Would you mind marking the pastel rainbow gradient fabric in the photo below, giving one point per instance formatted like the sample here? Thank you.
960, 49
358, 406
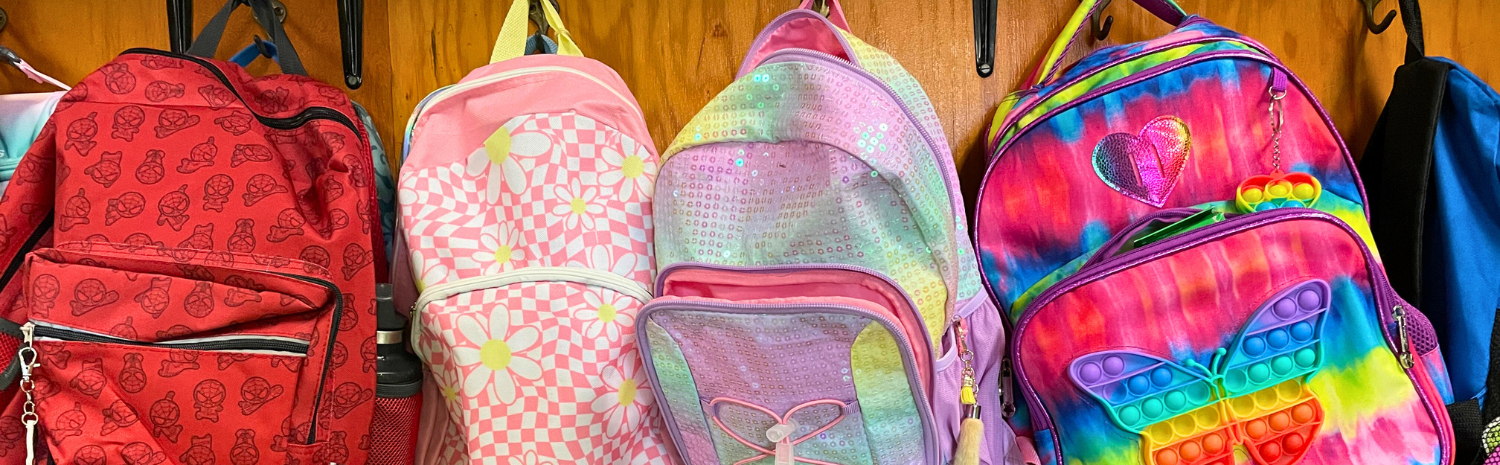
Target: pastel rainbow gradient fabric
21, 120
1270, 339
823, 158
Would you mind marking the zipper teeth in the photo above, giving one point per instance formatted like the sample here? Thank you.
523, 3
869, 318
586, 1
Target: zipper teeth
333, 334
63, 333
916, 314
1091, 72
765, 35
1190, 240
336, 116
908, 356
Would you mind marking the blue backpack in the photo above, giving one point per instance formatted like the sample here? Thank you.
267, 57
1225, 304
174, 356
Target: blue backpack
1432, 172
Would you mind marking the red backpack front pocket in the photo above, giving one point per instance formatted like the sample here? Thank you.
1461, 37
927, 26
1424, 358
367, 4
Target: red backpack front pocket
151, 354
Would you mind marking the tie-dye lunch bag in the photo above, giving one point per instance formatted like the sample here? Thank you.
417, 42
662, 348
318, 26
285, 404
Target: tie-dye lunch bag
525, 201
818, 301
1201, 117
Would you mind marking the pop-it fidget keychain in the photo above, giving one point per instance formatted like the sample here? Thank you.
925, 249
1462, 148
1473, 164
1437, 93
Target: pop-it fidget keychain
1251, 400
1278, 189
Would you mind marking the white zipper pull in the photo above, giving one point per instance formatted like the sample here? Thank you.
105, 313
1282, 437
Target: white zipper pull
781, 435
1403, 353
29, 417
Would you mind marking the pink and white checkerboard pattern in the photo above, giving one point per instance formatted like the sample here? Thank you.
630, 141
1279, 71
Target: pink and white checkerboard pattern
563, 395
538, 372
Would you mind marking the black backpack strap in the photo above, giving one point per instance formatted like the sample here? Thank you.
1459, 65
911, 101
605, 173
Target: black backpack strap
1411, 19
207, 43
1468, 432
1397, 168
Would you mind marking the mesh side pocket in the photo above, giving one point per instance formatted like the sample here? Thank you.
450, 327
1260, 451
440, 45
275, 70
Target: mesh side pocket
1491, 442
393, 434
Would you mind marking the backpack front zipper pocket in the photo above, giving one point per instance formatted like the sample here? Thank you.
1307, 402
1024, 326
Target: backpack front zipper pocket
801, 363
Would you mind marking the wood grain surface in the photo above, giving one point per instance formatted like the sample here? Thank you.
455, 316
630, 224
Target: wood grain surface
68, 39
677, 54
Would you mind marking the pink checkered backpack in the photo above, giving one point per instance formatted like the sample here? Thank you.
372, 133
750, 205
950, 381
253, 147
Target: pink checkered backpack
525, 200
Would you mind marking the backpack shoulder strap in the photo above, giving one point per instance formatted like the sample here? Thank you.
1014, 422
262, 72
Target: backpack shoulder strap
1397, 169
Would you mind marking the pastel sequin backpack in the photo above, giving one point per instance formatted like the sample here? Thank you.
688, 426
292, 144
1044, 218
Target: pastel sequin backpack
525, 202
818, 301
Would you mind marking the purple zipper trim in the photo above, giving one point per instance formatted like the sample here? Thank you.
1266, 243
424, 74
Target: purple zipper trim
765, 34
1090, 72
924, 411
1383, 301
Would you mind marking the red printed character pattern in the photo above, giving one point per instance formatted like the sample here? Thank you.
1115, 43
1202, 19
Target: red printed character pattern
180, 235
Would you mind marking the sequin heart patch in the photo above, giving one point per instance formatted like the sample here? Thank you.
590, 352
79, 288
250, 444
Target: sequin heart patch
1144, 166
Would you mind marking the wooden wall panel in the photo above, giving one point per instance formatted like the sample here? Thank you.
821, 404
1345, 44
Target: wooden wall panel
68, 39
677, 54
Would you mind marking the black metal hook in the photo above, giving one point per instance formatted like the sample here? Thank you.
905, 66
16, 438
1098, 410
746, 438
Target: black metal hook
180, 24
1109, 21
539, 16
1376, 28
352, 34
820, 6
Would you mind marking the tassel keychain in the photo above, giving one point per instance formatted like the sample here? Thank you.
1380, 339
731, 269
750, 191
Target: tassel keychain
971, 431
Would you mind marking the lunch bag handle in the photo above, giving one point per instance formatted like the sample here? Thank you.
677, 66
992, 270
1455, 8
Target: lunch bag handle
1167, 10
513, 35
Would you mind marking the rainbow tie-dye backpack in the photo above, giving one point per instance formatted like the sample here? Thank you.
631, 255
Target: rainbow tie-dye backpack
1150, 356
818, 301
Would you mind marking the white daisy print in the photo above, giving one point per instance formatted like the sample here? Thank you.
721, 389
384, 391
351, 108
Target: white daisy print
605, 315
628, 398
575, 204
601, 257
530, 459
634, 170
430, 273
500, 158
499, 247
496, 355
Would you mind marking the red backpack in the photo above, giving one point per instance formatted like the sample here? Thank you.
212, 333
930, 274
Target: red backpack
192, 254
